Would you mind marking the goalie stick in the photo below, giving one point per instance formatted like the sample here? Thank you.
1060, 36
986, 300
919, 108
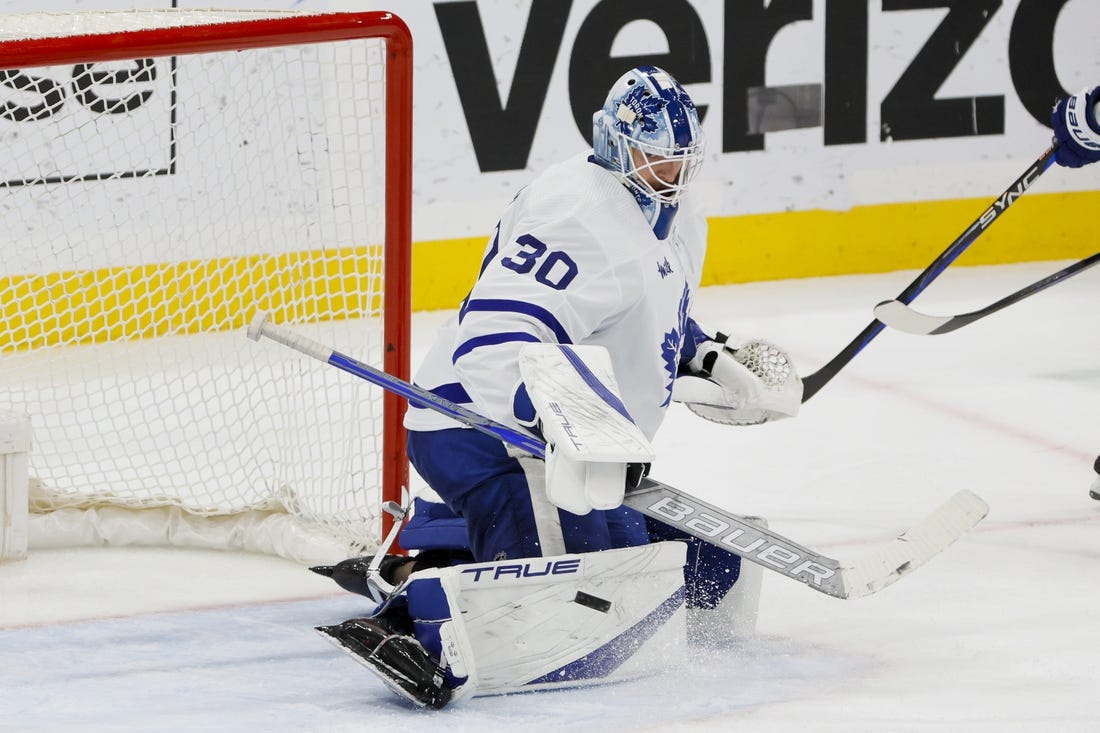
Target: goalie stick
899, 316
881, 567
813, 383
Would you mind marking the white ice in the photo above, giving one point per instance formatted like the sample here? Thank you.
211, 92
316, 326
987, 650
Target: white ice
999, 633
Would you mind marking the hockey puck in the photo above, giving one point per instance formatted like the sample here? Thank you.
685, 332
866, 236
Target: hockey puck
1094, 492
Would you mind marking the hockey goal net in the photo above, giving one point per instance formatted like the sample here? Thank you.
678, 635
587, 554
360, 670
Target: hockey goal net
166, 174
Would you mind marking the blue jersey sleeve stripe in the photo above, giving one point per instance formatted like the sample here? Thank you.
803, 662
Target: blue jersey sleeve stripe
452, 391
593, 381
491, 339
518, 306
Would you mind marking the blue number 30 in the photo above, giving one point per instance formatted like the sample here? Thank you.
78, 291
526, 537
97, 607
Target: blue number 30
557, 270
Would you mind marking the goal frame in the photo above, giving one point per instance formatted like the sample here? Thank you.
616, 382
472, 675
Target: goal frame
297, 29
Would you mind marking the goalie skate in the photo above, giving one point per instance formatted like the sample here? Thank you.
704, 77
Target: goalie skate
355, 574
400, 661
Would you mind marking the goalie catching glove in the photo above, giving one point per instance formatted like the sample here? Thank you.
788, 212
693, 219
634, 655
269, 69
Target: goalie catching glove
739, 384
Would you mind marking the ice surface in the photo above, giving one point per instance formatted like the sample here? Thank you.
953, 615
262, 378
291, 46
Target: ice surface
1000, 633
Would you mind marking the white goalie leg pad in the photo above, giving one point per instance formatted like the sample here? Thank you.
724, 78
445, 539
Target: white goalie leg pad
590, 434
549, 622
15, 445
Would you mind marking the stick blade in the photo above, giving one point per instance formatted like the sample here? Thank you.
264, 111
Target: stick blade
900, 317
931, 536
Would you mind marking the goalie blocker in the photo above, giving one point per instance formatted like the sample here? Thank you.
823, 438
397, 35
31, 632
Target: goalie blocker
591, 440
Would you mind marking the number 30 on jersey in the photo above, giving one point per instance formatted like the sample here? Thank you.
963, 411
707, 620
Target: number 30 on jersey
552, 267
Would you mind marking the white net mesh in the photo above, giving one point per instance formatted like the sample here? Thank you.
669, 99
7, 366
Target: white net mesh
149, 208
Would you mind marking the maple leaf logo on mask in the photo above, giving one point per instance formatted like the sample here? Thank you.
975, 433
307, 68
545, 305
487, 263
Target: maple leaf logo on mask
639, 107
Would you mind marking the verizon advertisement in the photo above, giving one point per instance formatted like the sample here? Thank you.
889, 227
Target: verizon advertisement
806, 104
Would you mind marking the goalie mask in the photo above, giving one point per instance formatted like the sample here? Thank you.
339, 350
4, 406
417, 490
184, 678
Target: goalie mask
648, 134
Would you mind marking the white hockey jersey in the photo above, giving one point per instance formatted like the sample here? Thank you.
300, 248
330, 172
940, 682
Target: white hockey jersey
573, 261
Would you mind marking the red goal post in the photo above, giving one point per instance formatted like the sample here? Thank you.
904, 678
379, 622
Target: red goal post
157, 302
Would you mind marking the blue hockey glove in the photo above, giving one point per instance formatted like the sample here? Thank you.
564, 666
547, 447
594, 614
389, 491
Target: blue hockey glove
1076, 128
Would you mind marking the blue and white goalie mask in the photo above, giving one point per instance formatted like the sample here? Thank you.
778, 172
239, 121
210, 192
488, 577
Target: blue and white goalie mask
648, 134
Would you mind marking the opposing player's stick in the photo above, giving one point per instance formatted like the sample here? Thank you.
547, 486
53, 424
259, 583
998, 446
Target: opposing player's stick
897, 315
881, 567
812, 383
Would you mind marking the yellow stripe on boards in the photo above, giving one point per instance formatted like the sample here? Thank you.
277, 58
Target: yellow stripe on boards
888, 237
444, 271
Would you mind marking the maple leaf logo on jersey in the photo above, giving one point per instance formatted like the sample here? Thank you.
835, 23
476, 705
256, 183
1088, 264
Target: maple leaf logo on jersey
670, 352
670, 347
664, 268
